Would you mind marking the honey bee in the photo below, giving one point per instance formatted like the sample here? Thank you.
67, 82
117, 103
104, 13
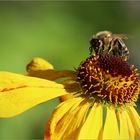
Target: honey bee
106, 42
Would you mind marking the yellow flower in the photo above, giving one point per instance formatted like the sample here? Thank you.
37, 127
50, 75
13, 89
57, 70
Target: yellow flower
97, 99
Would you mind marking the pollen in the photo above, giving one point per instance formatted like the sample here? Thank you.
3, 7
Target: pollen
108, 79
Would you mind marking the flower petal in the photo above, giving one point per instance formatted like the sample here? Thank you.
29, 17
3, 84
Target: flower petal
124, 133
135, 118
70, 84
38, 63
41, 68
131, 130
67, 120
111, 118
52, 74
20, 93
93, 124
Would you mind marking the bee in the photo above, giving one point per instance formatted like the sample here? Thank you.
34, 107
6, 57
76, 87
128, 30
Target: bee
106, 42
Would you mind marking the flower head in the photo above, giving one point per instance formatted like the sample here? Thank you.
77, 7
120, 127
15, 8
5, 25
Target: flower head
98, 98
108, 79
109, 86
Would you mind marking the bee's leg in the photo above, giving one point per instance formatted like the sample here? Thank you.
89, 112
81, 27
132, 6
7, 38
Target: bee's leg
126, 56
90, 50
109, 48
101, 49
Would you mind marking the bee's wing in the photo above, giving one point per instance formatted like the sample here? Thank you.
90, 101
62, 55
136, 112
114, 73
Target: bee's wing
120, 36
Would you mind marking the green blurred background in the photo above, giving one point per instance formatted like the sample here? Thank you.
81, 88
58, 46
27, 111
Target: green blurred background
59, 32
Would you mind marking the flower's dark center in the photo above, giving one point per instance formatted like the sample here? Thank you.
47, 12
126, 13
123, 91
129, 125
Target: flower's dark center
114, 65
108, 78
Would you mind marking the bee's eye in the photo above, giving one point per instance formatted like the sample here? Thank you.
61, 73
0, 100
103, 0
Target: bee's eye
95, 42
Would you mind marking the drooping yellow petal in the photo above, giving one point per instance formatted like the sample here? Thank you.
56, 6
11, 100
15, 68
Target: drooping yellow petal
92, 127
38, 63
111, 130
67, 120
135, 118
19, 93
124, 133
52, 74
41, 68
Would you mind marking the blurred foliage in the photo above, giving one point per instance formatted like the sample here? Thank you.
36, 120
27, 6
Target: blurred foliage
59, 32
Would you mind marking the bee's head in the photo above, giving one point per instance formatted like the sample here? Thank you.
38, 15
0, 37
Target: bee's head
96, 44
99, 41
